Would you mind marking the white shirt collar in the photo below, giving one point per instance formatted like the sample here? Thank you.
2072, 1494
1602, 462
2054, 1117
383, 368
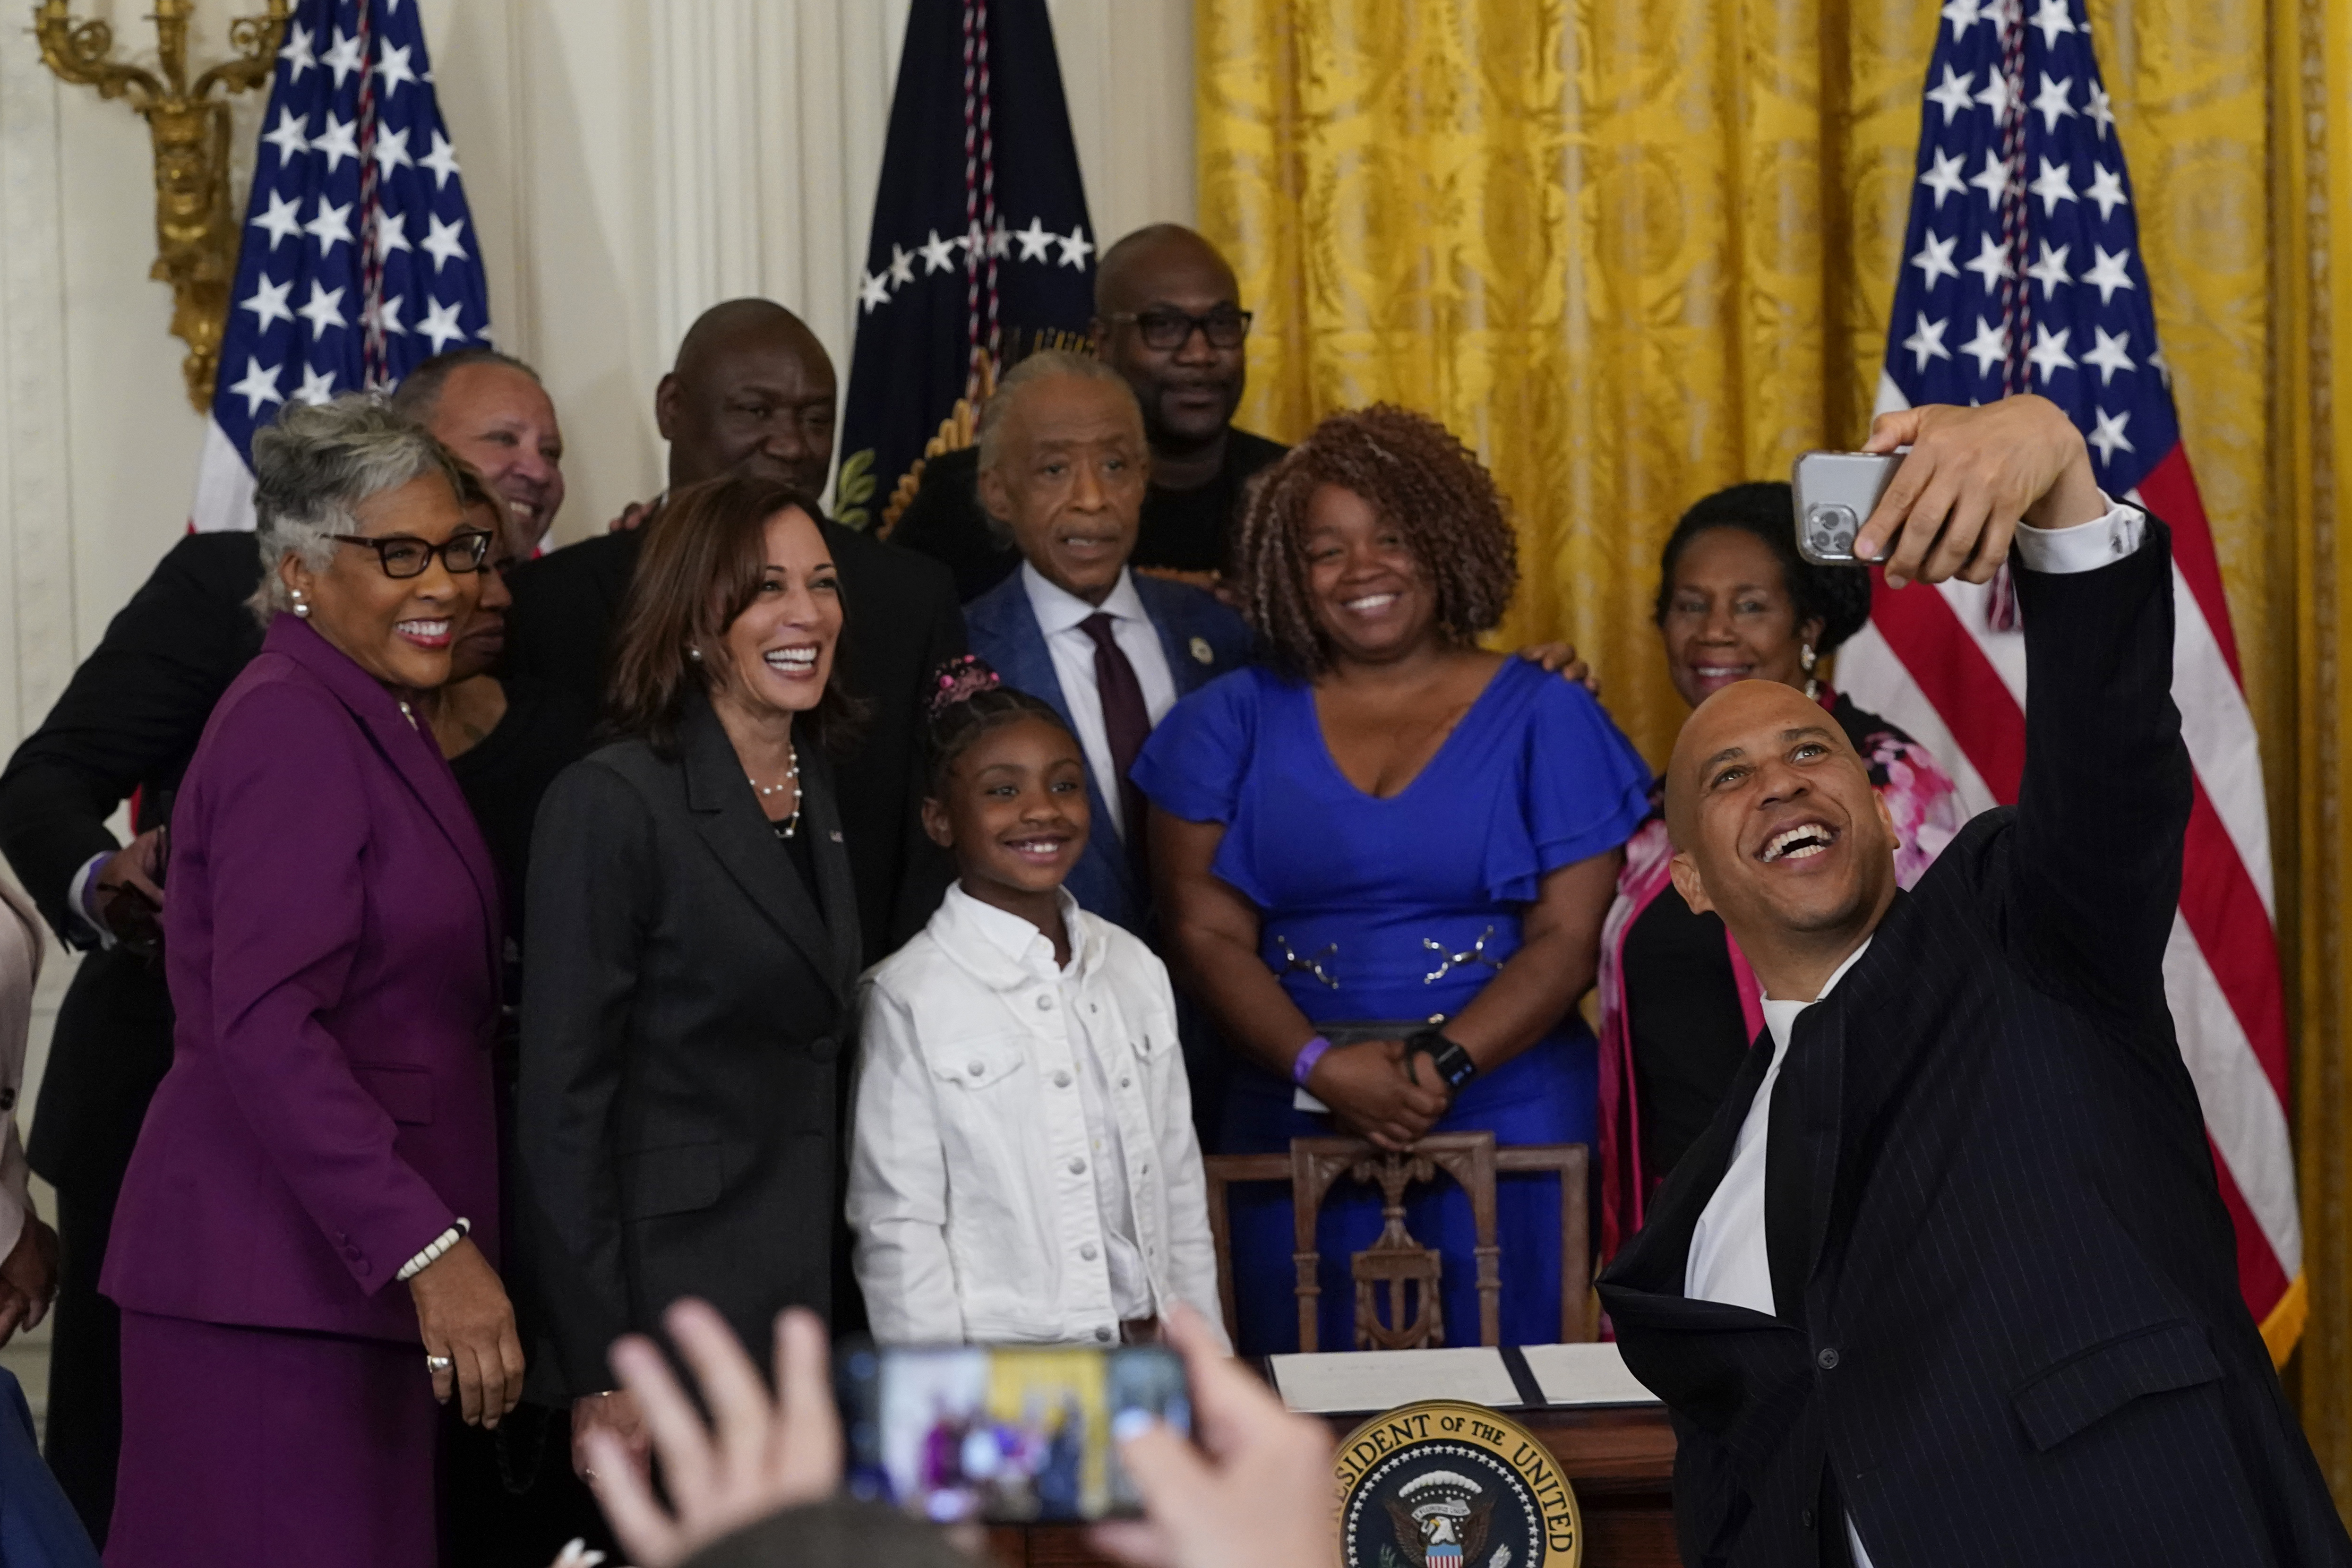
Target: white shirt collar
1839, 973
1005, 935
1780, 1017
1058, 609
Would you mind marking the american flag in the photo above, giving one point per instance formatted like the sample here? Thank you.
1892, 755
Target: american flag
360, 258
2023, 272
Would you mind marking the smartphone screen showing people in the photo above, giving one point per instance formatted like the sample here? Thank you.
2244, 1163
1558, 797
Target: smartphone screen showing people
960, 1433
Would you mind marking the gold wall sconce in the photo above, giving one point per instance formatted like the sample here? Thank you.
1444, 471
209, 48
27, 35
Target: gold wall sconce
195, 230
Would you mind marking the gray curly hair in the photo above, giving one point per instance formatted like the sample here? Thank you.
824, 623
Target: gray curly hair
1045, 365
315, 466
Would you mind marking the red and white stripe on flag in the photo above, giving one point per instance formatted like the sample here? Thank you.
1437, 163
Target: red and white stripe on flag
1930, 662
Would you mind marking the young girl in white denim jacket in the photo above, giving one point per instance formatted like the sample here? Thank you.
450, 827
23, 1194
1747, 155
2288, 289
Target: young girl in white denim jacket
1023, 1165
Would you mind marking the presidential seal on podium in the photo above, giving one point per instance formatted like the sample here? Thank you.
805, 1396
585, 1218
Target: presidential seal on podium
1442, 1484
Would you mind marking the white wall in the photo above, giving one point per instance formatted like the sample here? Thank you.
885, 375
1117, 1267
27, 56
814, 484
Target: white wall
629, 162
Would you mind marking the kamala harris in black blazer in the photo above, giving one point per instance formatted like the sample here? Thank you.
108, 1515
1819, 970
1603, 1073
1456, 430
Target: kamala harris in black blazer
688, 980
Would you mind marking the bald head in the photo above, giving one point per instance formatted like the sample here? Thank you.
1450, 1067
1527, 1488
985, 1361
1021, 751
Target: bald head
1776, 827
1723, 731
1140, 267
752, 390
1155, 283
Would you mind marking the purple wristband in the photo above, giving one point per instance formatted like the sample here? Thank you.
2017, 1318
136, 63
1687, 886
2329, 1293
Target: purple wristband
1308, 1055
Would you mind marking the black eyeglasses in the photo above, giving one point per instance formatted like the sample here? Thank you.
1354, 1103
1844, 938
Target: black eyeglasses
1224, 327
400, 555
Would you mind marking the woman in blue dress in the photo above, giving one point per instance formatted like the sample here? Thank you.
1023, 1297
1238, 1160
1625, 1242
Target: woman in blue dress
1383, 860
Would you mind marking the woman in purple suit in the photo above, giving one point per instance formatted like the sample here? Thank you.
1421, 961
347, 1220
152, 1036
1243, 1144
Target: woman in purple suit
316, 1186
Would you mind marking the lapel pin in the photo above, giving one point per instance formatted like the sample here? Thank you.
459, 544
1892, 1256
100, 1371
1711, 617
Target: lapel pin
1202, 652
835, 836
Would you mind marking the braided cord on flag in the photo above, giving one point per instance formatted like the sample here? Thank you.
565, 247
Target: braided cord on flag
2016, 288
2016, 296
374, 364
982, 241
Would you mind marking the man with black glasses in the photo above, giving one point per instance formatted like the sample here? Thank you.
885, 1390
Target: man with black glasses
1168, 318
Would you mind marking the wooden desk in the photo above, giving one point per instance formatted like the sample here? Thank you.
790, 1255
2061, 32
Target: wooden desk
1620, 1460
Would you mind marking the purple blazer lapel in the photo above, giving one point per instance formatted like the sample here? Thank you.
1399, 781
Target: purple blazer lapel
410, 749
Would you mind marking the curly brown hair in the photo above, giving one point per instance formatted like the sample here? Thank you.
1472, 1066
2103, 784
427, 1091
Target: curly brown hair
1420, 478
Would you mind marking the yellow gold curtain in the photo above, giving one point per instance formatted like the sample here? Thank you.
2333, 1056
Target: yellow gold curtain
1633, 253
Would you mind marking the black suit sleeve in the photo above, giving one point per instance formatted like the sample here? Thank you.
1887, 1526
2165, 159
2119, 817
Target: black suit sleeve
2095, 863
130, 715
591, 888
944, 521
928, 868
567, 612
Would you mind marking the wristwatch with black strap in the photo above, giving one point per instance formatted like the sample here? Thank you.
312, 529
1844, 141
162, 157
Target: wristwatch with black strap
1453, 1063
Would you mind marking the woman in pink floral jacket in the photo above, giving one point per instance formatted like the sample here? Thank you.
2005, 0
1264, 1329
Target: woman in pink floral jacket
1679, 1005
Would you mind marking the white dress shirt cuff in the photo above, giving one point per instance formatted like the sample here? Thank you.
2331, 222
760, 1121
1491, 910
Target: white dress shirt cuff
81, 900
2083, 547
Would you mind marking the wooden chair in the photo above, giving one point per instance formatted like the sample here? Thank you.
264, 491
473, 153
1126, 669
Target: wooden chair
1397, 1306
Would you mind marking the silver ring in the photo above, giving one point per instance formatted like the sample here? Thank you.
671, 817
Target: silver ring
438, 1364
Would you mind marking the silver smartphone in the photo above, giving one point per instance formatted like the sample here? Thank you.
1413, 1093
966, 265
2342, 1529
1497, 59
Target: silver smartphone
1835, 493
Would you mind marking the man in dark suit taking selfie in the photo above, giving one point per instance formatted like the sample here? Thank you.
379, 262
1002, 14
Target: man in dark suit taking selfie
1949, 1279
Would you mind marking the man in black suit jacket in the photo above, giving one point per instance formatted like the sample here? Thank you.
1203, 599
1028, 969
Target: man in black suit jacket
123, 729
754, 390
1949, 1279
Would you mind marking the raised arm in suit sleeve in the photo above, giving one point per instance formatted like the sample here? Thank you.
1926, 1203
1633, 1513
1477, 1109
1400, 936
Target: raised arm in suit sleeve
289, 845
592, 888
897, 1204
2094, 865
132, 710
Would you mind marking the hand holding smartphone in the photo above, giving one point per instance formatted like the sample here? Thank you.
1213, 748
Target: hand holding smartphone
1954, 485
1835, 493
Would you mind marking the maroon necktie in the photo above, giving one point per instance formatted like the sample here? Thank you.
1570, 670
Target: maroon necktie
1126, 723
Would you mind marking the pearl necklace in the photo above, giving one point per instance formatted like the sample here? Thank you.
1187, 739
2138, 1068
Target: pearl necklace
787, 826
